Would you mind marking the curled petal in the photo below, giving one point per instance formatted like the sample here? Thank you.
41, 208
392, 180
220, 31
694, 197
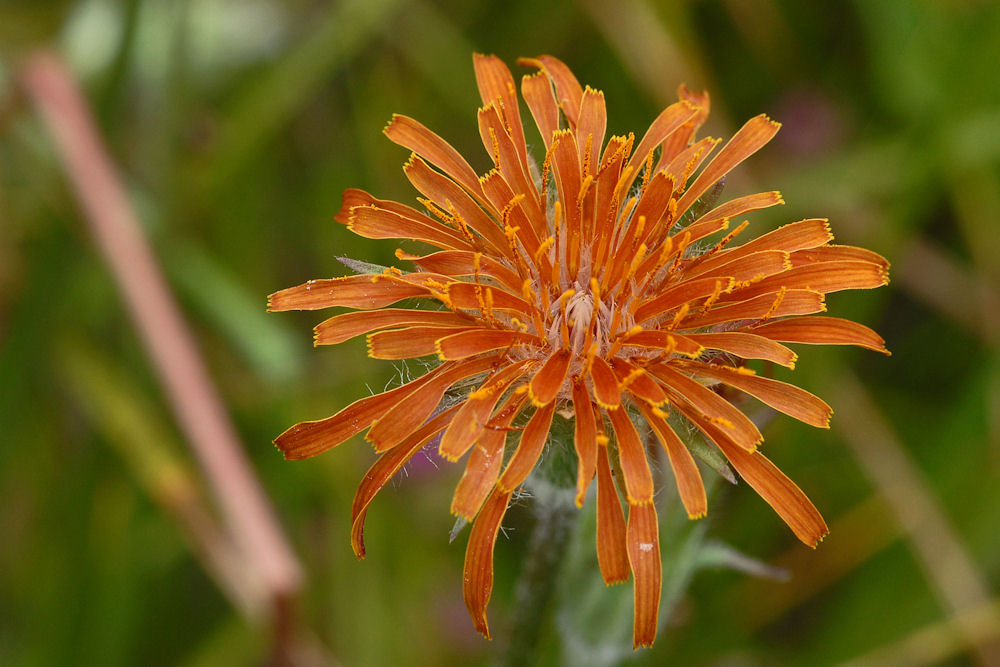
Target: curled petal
477, 584
822, 330
383, 470
612, 553
643, 539
632, 455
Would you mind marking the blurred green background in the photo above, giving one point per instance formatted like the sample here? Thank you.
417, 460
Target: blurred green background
236, 125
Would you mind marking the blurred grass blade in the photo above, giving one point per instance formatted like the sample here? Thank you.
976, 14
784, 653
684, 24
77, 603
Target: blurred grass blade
136, 430
220, 298
277, 95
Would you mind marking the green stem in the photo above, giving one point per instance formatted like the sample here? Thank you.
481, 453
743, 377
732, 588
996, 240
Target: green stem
546, 553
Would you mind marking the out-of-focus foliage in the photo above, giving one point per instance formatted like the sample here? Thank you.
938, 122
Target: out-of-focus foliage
237, 124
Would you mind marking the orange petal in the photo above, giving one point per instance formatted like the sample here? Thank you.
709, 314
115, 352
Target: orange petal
792, 237
477, 341
565, 158
411, 134
781, 396
470, 296
654, 201
591, 126
612, 553
528, 227
607, 393
688, 393
822, 277
496, 83
793, 302
470, 422
689, 483
747, 346
777, 490
352, 197
754, 266
537, 92
464, 263
748, 140
669, 120
404, 417
365, 291
568, 89
737, 207
477, 586
686, 290
638, 382
485, 462
533, 439
411, 342
383, 470
549, 379
339, 328
501, 147
584, 440
689, 159
445, 193
315, 437
643, 539
632, 455
822, 330
666, 340
378, 223
838, 253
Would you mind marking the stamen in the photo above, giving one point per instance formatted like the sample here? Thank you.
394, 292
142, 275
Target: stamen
774, 306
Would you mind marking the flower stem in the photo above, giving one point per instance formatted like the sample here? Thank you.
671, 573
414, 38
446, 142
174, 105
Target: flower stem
546, 551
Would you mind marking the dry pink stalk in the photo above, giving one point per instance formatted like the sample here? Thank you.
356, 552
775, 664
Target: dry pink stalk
249, 516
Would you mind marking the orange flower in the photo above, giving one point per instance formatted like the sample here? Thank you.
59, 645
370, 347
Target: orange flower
593, 285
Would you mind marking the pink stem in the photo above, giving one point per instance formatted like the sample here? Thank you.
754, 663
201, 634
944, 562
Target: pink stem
197, 405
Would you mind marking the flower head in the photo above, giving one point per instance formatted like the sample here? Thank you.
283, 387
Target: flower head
602, 284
